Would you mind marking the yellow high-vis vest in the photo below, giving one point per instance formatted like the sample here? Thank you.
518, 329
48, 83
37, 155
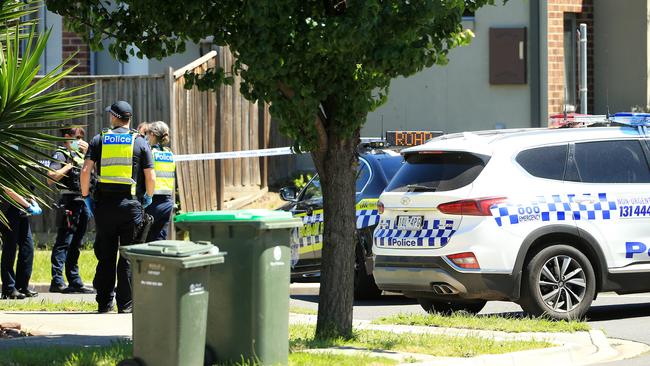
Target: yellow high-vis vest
163, 163
117, 158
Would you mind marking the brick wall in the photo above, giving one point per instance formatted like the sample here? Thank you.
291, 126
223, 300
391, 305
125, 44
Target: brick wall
72, 43
556, 12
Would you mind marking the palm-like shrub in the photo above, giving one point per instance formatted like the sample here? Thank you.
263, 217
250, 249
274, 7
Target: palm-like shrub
30, 109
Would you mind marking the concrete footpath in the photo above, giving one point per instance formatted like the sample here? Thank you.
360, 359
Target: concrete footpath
91, 329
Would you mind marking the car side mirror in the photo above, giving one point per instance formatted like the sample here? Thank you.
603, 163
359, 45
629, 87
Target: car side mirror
288, 194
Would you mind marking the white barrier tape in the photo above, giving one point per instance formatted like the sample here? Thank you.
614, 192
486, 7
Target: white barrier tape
235, 154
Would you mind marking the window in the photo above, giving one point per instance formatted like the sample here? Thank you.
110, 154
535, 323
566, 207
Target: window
363, 175
570, 40
611, 162
544, 162
313, 190
437, 171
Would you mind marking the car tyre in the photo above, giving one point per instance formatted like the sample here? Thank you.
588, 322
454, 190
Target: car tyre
558, 282
365, 287
448, 307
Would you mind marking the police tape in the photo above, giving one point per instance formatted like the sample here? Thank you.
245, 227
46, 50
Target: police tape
235, 154
248, 153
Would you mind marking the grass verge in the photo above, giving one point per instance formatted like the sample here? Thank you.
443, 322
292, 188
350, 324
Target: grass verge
111, 355
301, 337
47, 305
36, 304
486, 322
301, 310
42, 272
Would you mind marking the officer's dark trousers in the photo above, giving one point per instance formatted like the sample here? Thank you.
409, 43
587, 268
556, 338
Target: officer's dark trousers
116, 216
17, 237
161, 210
69, 238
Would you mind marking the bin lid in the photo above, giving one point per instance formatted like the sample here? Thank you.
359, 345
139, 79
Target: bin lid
170, 248
254, 215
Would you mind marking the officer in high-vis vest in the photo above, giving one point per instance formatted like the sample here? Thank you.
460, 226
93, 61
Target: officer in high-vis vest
72, 214
126, 181
157, 133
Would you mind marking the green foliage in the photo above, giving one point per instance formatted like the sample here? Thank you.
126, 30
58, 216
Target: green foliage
28, 105
299, 55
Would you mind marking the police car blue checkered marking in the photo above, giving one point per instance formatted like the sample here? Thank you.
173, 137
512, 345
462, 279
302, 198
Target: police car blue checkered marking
434, 234
367, 218
556, 208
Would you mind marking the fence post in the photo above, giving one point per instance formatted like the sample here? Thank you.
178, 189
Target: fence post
264, 123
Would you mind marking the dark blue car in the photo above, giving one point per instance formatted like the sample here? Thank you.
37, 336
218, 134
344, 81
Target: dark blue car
376, 168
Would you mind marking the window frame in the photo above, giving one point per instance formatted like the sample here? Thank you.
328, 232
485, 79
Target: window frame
362, 160
572, 173
566, 160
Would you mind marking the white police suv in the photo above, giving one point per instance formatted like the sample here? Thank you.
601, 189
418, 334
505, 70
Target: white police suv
547, 218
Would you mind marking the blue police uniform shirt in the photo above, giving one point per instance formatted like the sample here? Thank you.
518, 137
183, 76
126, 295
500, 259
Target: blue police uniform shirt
142, 159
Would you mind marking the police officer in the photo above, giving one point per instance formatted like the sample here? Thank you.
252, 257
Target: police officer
72, 213
17, 236
126, 182
157, 134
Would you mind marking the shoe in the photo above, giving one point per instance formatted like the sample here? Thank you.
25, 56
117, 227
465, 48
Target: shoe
102, 309
126, 310
28, 293
57, 288
13, 295
78, 290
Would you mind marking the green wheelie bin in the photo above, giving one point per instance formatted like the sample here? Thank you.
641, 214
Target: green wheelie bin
170, 301
248, 316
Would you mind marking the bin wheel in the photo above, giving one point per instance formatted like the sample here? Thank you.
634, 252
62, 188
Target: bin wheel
131, 362
209, 358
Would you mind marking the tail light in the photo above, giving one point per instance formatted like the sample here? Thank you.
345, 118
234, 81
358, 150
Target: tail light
380, 207
465, 260
473, 207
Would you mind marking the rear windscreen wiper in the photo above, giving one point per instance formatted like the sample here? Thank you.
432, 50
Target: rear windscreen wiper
419, 187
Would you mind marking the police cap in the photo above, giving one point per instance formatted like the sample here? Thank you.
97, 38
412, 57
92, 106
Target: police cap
120, 109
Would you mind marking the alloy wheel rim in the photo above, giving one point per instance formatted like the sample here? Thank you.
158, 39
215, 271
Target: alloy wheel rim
562, 283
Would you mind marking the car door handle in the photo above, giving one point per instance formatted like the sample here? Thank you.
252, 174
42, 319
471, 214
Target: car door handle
584, 200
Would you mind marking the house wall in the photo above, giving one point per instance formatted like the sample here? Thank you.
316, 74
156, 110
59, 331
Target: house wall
621, 55
72, 45
556, 10
458, 96
52, 57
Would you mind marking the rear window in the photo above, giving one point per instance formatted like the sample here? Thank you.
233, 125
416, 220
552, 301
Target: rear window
544, 162
391, 166
430, 172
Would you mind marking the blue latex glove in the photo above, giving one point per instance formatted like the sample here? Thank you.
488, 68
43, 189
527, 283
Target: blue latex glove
90, 203
34, 209
146, 200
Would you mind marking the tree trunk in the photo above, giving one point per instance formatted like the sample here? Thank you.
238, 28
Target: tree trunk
336, 166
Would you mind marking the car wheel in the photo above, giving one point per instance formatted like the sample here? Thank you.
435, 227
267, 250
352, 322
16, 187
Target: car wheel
448, 306
559, 282
365, 287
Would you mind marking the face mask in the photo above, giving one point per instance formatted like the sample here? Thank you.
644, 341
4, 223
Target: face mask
75, 145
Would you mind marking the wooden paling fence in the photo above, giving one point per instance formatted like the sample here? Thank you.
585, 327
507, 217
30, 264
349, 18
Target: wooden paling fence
200, 122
